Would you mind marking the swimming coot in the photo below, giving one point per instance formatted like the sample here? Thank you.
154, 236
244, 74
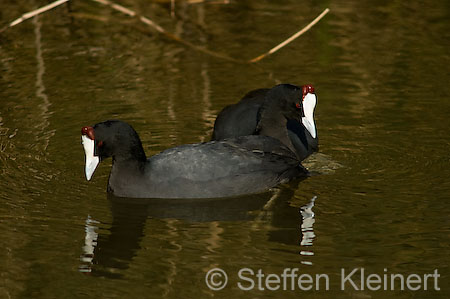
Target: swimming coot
273, 112
242, 165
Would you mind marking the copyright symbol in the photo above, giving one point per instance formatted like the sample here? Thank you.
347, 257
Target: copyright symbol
216, 279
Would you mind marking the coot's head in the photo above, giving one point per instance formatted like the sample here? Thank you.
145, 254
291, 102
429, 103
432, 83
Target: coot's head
286, 98
111, 138
290, 99
294, 102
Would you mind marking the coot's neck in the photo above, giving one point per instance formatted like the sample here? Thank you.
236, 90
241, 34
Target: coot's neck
128, 165
313, 142
129, 151
125, 173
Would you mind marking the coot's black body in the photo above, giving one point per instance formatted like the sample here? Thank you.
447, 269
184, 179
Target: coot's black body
243, 165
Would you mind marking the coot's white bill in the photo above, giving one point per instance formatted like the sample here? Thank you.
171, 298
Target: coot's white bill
309, 103
91, 160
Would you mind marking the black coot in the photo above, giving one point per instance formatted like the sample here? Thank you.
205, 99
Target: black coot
236, 166
273, 112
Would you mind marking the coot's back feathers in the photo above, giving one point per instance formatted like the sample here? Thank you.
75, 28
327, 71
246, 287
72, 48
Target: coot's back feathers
239, 119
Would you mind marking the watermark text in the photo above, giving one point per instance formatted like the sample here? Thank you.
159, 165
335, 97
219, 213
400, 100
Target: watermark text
292, 279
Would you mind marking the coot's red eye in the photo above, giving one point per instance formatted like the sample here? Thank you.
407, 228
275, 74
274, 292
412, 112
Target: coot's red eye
100, 143
298, 105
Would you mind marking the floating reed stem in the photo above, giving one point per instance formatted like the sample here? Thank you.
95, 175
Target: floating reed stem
290, 39
36, 12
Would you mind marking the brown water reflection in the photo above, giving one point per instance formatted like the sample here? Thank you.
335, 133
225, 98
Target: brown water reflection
378, 198
103, 254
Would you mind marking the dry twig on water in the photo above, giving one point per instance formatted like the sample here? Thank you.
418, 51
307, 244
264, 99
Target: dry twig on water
290, 39
171, 36
36, 12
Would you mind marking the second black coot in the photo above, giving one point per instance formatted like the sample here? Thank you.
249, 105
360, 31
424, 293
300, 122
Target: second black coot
273, 112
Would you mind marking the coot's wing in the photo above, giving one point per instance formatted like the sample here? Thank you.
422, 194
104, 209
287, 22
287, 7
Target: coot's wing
265, 144
243, 165
239, 119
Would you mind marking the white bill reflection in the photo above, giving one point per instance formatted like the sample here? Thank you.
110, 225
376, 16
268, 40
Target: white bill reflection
90, 242
307, 229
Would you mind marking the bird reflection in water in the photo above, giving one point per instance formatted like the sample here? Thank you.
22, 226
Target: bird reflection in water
108, 250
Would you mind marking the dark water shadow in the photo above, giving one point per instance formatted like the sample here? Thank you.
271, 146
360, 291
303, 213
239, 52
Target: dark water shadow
106, 253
